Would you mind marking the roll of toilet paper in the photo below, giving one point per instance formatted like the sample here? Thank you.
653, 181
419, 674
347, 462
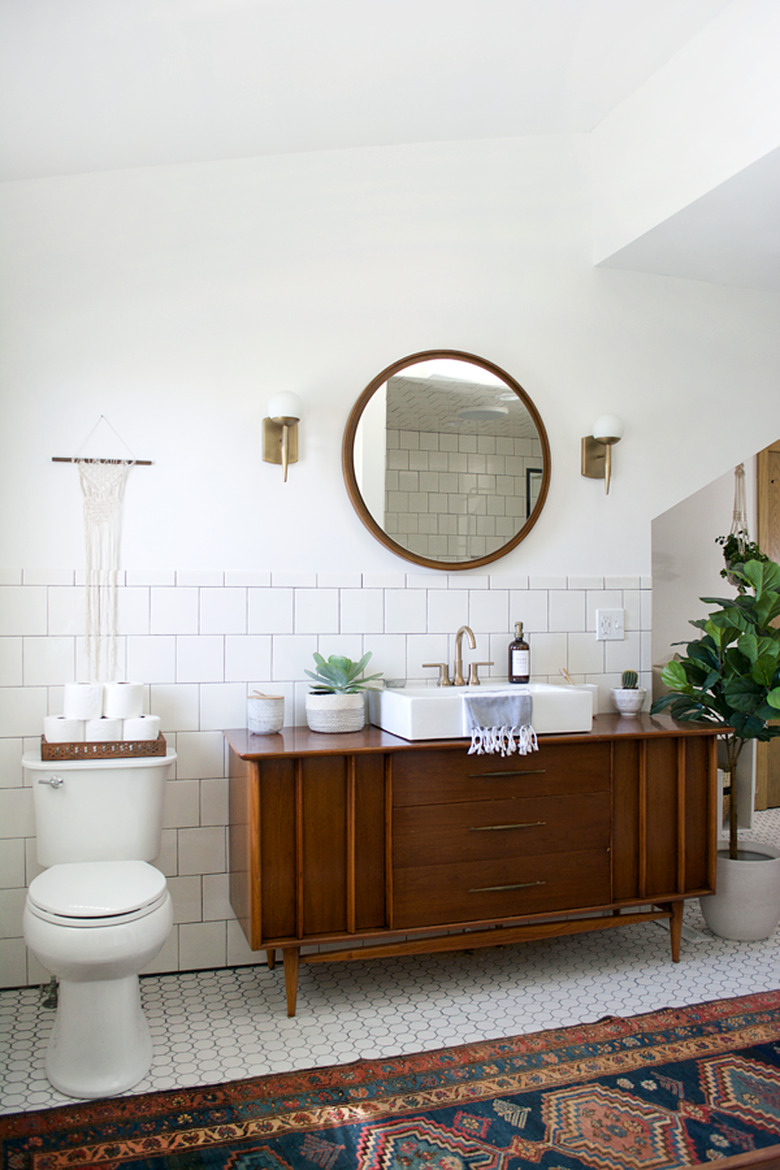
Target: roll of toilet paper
83, 701
123, 700
101, 730
142, 727
59, 729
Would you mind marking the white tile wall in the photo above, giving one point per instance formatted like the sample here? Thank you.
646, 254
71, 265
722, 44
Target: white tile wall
203, 640
456, 496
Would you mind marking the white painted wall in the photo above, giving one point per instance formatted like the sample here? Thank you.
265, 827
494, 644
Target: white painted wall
687, 561
687, 564
177, 300
708, 114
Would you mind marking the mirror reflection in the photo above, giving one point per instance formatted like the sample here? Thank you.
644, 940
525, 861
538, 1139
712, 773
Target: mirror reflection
446, 459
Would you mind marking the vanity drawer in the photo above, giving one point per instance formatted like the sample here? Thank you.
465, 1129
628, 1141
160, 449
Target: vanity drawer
492, 829
421, 777
428, 895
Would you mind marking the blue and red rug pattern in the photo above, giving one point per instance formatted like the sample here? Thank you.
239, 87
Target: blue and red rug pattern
677, 1087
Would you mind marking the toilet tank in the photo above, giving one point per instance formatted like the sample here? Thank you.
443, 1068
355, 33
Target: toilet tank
102, 810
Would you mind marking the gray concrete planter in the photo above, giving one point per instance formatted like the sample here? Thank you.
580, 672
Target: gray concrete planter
746, 905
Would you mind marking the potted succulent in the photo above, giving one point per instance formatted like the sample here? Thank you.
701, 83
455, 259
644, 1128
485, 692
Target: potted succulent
730, 676
629, 696
336, 702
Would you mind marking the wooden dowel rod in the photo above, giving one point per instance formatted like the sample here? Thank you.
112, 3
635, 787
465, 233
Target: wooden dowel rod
75, 459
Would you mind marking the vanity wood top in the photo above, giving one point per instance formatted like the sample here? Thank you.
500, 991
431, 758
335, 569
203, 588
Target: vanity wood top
296, 741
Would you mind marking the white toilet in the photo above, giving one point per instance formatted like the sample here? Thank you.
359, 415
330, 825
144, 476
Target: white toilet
99, 913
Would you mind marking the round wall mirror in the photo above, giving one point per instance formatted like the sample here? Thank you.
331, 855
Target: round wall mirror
446, 460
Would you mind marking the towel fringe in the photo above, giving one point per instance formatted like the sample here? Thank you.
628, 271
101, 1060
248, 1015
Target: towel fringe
506, 740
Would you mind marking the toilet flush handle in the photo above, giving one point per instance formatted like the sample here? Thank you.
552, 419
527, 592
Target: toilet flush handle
54, 781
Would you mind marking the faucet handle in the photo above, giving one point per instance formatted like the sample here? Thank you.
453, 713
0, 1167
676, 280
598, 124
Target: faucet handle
444, 672
474, 679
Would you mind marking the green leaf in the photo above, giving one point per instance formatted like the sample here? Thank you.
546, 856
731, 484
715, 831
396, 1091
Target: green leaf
661, 704
762, 575
748, 645
340, 675
764, 670
767, 608
743, 694
673, 676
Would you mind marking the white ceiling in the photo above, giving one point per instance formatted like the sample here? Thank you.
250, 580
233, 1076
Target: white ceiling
93, 85
96, 84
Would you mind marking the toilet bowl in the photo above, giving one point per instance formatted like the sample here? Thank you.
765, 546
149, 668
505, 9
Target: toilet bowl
95, 925
98, 914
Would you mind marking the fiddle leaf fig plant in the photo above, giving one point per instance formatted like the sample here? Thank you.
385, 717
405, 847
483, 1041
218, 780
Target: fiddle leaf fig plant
730, 675
340, 676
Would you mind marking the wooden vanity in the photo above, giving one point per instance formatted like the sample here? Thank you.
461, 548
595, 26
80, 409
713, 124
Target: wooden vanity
377, 846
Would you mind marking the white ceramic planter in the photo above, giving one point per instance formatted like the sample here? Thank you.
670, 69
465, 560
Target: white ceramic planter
264, 714
746, 906
629, 700
336, 713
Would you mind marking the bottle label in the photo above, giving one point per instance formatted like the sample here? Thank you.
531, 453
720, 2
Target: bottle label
521, 662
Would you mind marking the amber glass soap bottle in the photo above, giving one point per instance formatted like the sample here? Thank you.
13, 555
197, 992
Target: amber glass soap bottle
519, 657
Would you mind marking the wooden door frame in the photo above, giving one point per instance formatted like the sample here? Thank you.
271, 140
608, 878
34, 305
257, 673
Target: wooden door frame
768, 538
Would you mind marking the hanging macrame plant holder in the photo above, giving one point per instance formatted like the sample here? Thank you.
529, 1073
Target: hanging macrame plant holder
739, 521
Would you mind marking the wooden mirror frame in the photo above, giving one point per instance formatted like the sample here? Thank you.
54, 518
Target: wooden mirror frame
350, 478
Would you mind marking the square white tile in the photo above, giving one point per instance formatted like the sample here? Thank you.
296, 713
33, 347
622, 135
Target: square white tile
362, 611
200, 659
152, 659
316, 611
11, 661
223, 611
22, 609
271, 611
66, 612
291, 655
49, 661
405, 611
174, 611
177, 704
529, 606
247, 657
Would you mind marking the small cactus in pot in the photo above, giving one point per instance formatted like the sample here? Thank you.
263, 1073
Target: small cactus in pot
629, 697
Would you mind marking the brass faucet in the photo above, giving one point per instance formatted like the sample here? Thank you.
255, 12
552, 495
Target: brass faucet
459, 680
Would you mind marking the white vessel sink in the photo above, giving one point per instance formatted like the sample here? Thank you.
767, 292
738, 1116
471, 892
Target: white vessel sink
431, 712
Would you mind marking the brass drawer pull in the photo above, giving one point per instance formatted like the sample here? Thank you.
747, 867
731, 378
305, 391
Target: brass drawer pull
519, 772
515, 886
497, 828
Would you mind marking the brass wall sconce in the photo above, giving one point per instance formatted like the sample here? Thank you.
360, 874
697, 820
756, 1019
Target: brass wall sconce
280, 430
596, 449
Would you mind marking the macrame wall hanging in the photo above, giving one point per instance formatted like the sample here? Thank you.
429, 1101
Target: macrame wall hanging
103, 487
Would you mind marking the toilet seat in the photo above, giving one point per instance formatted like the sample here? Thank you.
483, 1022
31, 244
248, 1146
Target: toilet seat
97, 893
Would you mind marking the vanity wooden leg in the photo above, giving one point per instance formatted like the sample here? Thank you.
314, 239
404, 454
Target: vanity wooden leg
291, 956
675, 928
270, 958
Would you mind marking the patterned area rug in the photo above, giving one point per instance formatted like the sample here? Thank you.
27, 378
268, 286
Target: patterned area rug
678, 1087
